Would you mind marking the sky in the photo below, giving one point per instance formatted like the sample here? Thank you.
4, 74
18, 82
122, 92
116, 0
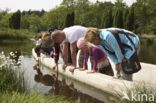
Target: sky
47, 5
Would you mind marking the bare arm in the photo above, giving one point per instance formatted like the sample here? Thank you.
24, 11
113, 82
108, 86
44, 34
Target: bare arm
73, 53
65, 52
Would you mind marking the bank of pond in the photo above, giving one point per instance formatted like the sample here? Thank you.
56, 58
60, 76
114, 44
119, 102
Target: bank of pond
16, 34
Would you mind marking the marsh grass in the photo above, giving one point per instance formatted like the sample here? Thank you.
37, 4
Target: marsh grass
10, 81
139, 89
32, 97
12, 34
12, 87
11, 77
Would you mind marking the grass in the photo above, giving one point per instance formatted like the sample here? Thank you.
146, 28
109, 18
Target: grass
32, 97
140, 93
12, 34
13, 90
10, 81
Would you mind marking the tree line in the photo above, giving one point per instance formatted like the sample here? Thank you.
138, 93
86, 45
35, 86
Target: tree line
140, 17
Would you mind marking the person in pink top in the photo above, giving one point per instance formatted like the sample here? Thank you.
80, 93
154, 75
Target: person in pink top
100, 61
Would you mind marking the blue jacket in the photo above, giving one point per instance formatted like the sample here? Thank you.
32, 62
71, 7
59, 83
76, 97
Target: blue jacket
110, 43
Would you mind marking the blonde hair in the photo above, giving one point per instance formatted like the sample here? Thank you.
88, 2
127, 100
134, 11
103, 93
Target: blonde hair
91, 34
89, 45
45, 35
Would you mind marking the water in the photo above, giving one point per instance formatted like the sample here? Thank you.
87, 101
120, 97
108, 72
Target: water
148, 50
44, 80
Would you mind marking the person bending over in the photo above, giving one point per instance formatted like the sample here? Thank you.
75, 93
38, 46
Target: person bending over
100, 60
119, 45
69, 35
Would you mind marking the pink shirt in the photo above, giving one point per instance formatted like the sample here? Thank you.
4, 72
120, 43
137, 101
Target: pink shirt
97, 54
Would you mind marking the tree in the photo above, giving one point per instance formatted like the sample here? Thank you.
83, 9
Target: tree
151, 19
118, 13
34, 23
70, 19
118, 21
14, 21
125, 14
140, 11
108, 20
81, 11
25, 22
4, 18
130, 20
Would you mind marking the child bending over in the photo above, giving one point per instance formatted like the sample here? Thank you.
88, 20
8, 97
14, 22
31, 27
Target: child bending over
100, 60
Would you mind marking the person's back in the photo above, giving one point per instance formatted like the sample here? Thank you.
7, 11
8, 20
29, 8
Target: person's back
111, 45
73, 33
123, 38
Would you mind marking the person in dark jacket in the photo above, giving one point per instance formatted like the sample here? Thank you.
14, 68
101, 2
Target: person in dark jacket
55, 49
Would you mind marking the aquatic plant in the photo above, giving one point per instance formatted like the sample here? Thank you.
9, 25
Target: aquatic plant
11, 78
7, 62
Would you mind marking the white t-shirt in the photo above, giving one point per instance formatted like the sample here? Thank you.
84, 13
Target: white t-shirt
38, 42
73, 33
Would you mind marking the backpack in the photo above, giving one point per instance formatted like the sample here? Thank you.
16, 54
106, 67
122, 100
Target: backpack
133, 64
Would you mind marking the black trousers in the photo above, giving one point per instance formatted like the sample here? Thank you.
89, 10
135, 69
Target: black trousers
107, 70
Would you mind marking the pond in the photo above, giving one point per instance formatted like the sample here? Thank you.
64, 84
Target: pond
44, 80
148, 51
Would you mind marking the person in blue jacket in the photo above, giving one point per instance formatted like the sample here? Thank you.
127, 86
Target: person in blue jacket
108, 40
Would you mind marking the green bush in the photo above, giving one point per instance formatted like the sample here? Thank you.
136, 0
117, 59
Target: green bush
12, 34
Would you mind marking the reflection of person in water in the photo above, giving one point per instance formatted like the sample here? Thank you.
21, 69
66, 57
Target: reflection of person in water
69, 91
46, 79
84, 98
61, 88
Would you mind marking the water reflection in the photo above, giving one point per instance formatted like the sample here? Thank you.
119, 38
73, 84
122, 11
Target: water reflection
24, 47
46, 79
148, 50
59, 86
